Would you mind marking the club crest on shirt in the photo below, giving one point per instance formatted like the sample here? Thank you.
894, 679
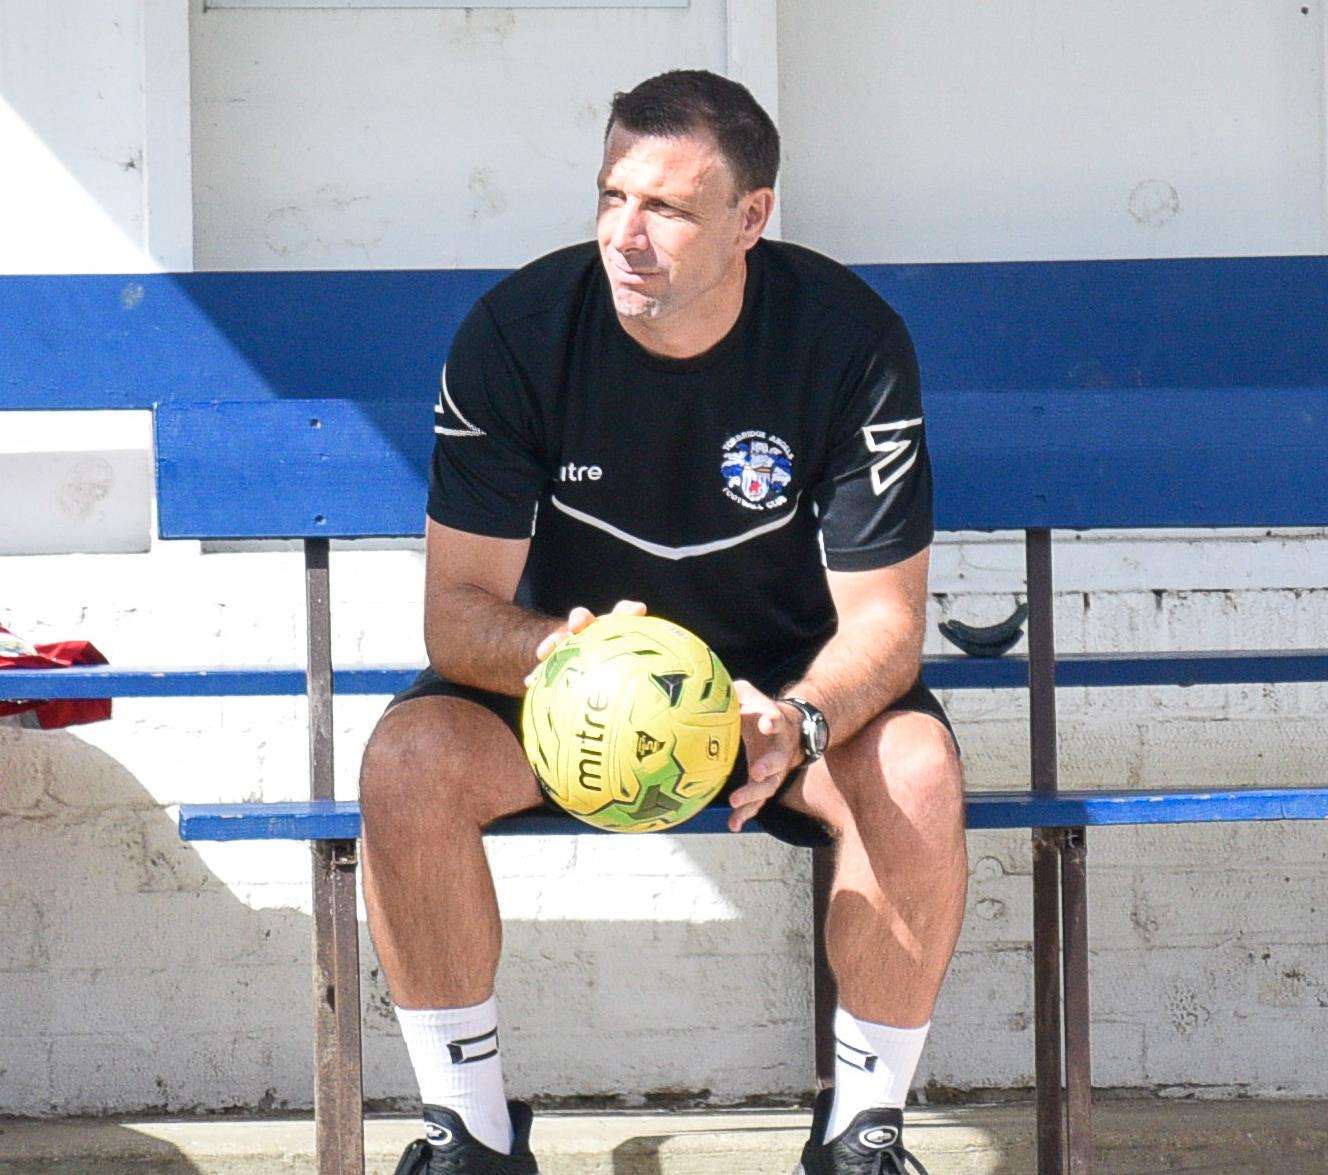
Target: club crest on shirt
756, 467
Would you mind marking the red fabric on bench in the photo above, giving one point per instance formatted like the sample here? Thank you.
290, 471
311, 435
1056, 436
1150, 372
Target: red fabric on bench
16, 653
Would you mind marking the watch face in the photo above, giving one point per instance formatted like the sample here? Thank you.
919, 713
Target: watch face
820, 733
815, 730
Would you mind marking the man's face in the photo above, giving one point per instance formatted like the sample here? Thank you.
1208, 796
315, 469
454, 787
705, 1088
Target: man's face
669, 225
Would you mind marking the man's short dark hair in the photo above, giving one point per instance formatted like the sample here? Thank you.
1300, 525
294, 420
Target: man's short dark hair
684, 101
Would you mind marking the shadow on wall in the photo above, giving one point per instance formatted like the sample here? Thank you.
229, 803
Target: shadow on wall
136, 982
141, 984
943, 1142
106, 1148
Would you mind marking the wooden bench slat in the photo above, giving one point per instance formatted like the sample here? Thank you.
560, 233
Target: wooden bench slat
1189, 668
341, 469
340, 819
133, 340
1125, 458
108, 681
130, 340
1053, 458
948, 671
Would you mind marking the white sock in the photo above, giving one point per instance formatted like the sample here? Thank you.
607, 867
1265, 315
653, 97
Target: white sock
454, 1052
874, 1066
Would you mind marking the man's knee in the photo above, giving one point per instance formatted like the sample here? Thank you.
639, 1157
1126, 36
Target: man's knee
398, 758
422, 759
907, 761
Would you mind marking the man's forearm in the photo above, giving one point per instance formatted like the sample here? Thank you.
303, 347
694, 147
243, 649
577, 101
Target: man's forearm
474, 638
860, 671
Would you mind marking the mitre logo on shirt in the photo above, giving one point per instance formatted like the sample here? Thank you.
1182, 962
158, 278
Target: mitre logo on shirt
571, 471
757, 466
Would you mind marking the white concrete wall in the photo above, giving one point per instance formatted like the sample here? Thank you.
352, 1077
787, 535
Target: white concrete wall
71, 120
140, 972
970, 130
471, 149
94, 120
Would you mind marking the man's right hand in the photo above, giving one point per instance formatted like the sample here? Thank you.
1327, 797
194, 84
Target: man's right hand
578, 619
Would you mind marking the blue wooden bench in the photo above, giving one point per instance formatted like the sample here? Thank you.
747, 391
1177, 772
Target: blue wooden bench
1060, 395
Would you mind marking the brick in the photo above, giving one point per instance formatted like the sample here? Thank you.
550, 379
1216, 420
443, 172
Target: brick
978, 1055
23, 930
26, 1001
1282, 752
25, 1075
197, 956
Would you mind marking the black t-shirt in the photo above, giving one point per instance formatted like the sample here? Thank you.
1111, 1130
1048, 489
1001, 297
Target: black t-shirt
715, 489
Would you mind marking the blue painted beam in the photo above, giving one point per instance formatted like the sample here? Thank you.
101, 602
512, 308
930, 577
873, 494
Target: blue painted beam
107, 681
342, 469
1129, 458
1123, 458
96, 341
1069, 809
1187, 669
340, 820
101, 681
132, 340
949, 671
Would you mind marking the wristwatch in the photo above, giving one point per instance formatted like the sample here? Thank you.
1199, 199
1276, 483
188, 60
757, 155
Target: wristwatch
815, 729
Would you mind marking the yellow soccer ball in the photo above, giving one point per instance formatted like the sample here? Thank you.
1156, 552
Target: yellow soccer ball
632, 724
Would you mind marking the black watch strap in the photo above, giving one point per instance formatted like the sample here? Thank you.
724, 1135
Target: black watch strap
815, 729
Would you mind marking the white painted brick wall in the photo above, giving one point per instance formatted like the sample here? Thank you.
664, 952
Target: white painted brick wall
140, 972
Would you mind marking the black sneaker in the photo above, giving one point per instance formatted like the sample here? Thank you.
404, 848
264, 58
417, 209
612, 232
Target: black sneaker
873, 1144
449, 1149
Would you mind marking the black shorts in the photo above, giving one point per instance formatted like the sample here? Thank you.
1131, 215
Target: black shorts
776, 818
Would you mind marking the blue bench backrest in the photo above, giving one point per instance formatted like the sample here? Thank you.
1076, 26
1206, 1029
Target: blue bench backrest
1004, 460
130, 341
1059, 394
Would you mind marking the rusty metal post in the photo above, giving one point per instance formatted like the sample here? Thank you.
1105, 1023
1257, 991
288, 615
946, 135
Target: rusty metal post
338, 1088
823, 979
1047, 1001
1078, 1056
1046, 856
318, 673
338, 1095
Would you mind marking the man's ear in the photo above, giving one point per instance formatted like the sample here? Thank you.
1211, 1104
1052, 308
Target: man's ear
757, 205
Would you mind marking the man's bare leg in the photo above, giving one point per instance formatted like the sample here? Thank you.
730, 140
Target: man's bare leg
435, 772
893, 797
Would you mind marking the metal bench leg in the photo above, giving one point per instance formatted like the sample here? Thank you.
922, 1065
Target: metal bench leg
1078, 1065
1047, 1000
823, 979
338, 1086
1046, 856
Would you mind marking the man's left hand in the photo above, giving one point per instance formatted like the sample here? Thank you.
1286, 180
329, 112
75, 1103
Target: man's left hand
772, 738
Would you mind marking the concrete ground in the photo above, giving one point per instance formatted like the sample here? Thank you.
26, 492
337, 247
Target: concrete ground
1132, 1136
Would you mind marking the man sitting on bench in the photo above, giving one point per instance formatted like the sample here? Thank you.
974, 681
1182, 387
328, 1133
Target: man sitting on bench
730, 430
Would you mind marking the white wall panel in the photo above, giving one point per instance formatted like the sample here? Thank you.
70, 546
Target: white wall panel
75, 481
71, 136
972, 130
410, 138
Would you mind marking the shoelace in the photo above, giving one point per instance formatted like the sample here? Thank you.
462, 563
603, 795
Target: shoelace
893, 1161
900, 1162
415, 1160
